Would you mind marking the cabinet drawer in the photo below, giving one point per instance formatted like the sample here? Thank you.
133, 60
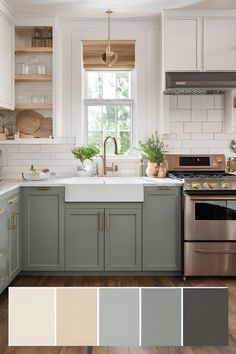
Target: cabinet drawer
210, 258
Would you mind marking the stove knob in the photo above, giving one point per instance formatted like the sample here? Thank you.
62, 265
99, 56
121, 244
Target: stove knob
225, 185
206, 185
196, 185
212, 185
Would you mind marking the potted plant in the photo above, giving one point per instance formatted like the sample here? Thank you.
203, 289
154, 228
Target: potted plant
153, 150
84, 153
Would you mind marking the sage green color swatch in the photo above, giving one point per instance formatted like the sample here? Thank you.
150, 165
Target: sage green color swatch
119, 317
161, 317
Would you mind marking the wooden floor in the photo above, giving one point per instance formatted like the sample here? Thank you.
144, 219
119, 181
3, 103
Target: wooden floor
118, 281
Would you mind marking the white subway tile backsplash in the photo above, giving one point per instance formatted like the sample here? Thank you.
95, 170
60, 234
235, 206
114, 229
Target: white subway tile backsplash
180, 115
183, 136
202, 136
225, 136
177, 127
30, 148
216, 115
193, 143
199, 115
190, 127
184, 102
219, 101
202, 101
173, 102
210, 127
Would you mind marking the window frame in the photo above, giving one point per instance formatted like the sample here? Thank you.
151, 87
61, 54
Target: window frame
104, 102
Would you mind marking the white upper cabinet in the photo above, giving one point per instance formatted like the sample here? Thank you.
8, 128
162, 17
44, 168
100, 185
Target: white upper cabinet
182, 44
220, 44
199, 41
6, 61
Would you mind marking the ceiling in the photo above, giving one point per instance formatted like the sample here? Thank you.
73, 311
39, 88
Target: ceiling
121, 8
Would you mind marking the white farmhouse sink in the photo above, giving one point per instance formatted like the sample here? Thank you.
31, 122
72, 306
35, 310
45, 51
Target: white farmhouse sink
104, 189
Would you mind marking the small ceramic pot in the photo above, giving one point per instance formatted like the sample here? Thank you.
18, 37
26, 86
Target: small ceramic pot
86, 170
152, 169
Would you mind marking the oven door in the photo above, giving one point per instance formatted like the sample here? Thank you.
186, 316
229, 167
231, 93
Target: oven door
210, 218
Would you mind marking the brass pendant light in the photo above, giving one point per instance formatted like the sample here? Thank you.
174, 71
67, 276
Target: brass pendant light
109, 58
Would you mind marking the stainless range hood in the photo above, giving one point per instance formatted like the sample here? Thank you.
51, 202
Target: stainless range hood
199, 83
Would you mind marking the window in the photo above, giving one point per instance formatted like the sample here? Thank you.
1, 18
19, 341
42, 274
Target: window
109, 109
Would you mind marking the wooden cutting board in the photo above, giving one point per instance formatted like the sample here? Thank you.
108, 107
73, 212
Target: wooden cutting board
46, 123
28, 121
43, 133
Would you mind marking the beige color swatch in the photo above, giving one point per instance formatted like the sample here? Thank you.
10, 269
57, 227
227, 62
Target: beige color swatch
76, 316
31, 317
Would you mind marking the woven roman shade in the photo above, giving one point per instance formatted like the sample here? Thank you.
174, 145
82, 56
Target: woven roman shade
93, 50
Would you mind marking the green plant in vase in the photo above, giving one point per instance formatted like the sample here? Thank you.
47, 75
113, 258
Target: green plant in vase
83, 153
153, 151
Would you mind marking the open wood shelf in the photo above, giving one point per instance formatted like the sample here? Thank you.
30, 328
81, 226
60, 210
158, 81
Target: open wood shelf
33, 78
33, 106
34, 50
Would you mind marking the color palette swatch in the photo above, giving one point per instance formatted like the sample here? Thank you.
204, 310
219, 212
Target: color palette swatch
118, 316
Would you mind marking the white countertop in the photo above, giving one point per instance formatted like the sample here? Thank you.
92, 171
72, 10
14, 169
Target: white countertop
8, 186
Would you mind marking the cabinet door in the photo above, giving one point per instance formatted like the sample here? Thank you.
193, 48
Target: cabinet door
162, 229
85, 239
123, 239
43, 228
220, 44
4, 261
14, 226
6, 62
182, 47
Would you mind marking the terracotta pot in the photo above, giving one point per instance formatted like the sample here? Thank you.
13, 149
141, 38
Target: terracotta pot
152, 169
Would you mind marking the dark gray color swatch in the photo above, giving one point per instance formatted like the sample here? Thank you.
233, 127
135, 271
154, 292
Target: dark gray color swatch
205, 316
161, 317
119, 317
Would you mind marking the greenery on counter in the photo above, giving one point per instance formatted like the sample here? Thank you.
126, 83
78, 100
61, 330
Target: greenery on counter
153, 149
83, 153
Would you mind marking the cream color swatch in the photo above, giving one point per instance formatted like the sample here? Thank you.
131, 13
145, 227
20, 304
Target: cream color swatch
31, 317
76, 316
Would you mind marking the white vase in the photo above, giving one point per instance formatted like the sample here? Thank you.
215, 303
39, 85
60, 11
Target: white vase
86, 170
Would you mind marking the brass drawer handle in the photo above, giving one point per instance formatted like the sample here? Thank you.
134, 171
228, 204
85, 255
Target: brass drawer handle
202, 251
13, 200
101, 220
44, 188
107, 220
2, 211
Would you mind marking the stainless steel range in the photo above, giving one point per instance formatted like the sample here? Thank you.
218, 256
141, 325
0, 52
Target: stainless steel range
209, 195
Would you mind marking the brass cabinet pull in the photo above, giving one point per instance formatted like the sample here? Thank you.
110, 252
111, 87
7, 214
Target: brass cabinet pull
2, 211
15, 221
202, 251
101, 220
44, 188
163, 188
107, 220
13, 200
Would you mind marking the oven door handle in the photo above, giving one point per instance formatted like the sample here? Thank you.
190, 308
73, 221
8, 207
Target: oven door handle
202, 251
211, 197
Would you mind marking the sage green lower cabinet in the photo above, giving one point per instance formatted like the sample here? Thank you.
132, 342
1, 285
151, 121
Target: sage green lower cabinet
162, 229
4, 247
43, 228
84, 239
103, 236
15, 241
123, 239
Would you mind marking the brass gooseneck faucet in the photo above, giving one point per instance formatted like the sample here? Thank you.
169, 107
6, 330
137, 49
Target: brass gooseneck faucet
113, 167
